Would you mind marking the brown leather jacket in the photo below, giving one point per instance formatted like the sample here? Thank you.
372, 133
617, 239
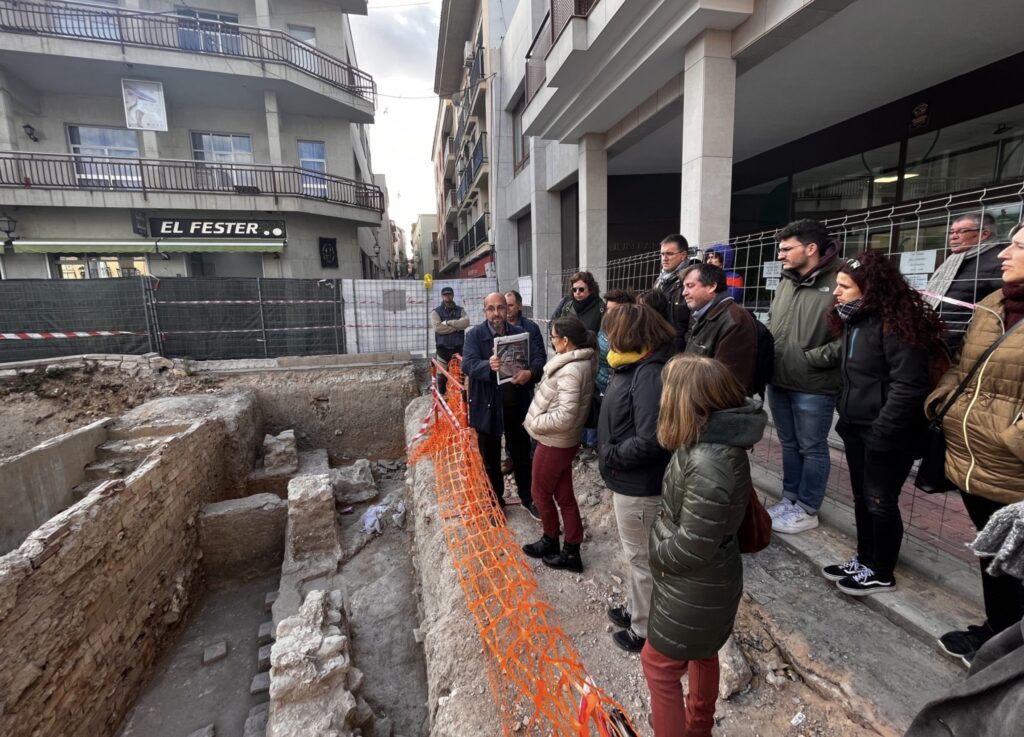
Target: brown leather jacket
985, 426
727, 333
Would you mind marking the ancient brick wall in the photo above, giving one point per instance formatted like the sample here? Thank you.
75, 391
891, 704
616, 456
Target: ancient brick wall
88, 600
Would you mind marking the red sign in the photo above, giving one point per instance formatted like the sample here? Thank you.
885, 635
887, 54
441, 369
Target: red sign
477, 269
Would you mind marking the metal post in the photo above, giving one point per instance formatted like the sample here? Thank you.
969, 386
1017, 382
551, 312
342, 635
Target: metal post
355, 311
145, 312
263, 326
334, 308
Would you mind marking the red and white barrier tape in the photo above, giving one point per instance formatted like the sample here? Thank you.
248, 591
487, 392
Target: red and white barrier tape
66, 334
160, 303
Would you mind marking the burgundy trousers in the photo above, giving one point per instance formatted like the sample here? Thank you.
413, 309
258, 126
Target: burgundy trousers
670, 716
552, 484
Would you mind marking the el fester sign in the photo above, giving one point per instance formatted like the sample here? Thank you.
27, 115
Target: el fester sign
215, 228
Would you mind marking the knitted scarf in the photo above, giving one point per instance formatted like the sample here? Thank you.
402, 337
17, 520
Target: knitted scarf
1013, 303
846, 310
943, 277
617, 360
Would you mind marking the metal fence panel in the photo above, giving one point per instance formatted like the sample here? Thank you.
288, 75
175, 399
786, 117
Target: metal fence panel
47, 306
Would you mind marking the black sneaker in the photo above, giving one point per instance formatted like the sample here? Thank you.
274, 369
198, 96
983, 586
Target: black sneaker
620, 616
629, 640
545, 546
841, 570
532, 509
864, 583
964, 643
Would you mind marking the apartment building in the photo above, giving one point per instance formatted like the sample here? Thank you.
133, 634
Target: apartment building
423, 244
470, 31
154, 137
616, 122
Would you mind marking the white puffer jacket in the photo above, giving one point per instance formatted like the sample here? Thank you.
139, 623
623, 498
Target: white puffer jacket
561, 401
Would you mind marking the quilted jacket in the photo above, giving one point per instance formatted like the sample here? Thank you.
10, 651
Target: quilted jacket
561, 401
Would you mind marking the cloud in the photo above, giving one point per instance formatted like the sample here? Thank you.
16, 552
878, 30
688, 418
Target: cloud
398, 47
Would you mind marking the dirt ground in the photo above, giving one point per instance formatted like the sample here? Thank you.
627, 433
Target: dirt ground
41, 405
775, 699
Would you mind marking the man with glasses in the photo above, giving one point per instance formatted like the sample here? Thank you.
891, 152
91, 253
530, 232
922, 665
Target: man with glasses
971, 272
675, 252
805, 381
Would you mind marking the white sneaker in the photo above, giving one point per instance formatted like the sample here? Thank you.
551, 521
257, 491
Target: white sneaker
780, 508
794, 520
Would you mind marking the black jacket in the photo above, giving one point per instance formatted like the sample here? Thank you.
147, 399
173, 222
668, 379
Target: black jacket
976, 279
630, 459
884, 383
486, 409
679, 313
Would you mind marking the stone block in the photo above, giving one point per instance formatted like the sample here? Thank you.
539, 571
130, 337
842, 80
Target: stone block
354, 484
266, 633
260, 684
311, 527
243, 537
735, 671
355, 680
280, 454
207, 731
256, 722
268, 600
263, 658
216, 651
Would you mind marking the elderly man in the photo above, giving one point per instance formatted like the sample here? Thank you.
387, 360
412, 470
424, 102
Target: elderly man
971, 272
499, 410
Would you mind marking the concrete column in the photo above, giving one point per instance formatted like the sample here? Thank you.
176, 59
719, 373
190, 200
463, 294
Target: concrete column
709, 109
593, 183
546, 233
8, 125
273, 126
150, 148
263, 13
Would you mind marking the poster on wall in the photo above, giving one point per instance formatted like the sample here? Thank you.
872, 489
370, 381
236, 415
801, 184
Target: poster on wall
526, 289
144, 107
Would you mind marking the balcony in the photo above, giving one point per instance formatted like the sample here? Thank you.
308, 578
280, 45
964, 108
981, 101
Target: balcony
536, 73
449, 156
95, 181
474, 238
563, 11
470, 174
125, 29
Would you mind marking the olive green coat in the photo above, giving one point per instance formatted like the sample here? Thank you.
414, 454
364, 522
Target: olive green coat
695, 556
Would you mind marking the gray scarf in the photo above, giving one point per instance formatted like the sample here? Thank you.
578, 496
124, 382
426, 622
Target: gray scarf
1003, 539
943, 277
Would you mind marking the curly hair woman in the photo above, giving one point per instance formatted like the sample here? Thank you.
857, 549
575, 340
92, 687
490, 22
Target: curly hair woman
891, 350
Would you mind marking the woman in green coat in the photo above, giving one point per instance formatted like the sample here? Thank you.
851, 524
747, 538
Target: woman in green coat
710, 424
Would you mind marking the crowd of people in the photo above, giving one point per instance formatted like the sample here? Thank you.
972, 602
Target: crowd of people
668, 381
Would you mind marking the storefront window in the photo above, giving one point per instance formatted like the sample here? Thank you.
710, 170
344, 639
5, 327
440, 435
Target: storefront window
854, 183
101, 267
978, 153
760, 207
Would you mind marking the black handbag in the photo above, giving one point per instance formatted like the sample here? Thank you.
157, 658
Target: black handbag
931, 474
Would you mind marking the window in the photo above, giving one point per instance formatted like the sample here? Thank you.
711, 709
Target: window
854, 183
520, 143
208, 31
227, 153
313, 157
93, 148
100, 267
302, 54
90, 23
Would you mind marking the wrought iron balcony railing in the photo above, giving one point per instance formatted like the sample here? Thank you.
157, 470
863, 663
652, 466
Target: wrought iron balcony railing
71, 171
184, 34
476, 235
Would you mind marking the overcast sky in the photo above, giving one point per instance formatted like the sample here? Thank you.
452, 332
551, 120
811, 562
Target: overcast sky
397, 44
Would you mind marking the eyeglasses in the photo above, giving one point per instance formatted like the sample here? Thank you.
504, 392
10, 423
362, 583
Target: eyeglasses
961, 231
670, 254
579, 289
787, 249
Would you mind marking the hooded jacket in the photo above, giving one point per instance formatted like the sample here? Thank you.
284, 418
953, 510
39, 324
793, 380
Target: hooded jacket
629, 457
561, 401
695, 556
733, 278
985, 426
726, 332
806, 353
884, 384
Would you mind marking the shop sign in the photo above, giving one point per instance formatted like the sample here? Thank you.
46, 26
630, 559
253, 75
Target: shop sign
771, 269
139, 223
329, 253
216, 228
919, 116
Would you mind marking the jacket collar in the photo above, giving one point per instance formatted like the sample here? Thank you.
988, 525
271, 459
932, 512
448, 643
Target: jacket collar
716, 306
739, 427
563, 359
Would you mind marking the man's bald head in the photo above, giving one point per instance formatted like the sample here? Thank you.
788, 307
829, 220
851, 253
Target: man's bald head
496, 310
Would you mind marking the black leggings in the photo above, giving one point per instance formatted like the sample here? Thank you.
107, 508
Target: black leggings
1004, 595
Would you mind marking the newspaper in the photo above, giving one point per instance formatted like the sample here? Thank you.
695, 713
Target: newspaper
513, 352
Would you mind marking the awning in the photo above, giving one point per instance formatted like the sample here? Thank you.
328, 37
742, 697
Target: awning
26, 245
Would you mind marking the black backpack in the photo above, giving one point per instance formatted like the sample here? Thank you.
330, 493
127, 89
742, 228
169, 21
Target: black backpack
764, 364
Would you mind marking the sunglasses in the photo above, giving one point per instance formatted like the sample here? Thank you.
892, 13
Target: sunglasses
579, 289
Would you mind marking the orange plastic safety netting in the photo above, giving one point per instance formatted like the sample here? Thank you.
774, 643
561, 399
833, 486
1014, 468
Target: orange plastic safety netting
538, 680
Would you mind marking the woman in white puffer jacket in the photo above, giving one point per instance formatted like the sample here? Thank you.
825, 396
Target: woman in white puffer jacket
561, 403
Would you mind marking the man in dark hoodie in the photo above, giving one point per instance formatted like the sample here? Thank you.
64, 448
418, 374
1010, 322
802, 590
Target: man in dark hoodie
805, 381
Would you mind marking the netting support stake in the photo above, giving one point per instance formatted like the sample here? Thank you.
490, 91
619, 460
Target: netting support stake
263, 325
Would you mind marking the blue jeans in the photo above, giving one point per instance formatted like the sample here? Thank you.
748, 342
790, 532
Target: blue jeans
802, 422
589, 438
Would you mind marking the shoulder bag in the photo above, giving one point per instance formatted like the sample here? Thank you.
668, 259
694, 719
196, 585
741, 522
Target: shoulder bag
931, 474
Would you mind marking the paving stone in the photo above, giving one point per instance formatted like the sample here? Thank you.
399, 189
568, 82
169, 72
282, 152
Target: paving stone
264, 658
256, 722
266, 634
268, 601
260, 684
207, 731
216, 651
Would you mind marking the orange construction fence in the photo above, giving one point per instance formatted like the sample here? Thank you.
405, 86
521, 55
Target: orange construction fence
537, 678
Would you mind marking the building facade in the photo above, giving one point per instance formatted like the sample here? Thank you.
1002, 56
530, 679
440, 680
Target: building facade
614, 123
423, 244
147, 137
470, 31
